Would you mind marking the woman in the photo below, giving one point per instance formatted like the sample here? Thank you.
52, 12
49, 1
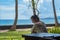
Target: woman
39, 26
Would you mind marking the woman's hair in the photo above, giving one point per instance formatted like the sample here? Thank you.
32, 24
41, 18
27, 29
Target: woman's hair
35, 17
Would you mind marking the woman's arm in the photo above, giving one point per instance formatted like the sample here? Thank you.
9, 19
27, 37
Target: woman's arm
34, 29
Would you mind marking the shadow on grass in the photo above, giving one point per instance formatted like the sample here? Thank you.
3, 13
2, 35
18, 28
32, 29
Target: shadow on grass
15, 35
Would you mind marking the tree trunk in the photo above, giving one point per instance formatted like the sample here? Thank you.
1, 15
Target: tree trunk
55, 16
33, 6
16, 16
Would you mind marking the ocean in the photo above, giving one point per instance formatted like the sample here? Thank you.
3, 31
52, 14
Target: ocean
27, 22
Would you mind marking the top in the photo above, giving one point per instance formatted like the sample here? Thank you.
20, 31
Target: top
39, 27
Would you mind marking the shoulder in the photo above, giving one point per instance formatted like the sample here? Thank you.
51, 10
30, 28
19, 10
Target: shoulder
40, 23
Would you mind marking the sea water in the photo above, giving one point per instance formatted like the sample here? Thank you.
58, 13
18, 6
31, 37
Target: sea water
26, 22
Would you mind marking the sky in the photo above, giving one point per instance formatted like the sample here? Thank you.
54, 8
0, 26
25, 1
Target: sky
7, 9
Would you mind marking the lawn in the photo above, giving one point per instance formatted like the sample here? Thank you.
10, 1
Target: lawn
17, 35
13, 35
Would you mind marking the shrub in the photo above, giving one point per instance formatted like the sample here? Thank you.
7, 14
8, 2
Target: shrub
54, 30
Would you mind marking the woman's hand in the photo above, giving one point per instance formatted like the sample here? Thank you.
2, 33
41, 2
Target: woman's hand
34, 31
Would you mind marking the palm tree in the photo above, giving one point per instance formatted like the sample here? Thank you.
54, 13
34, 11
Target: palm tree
33, 6
55, 16
16, 16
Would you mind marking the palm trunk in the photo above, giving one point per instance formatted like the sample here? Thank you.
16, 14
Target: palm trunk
16, 16
55, 16
33, 6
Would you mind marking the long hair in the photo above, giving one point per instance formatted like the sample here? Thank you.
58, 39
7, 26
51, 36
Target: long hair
35, 17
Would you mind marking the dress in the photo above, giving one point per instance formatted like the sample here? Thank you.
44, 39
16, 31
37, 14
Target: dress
39, 27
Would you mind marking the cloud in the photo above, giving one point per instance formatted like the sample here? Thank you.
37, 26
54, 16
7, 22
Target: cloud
48, 0
58, 12
46, 15
7, 8
12, 16
38, 6
23, 11
7, 3
22, 7
26, 1
39, 3
7, 16
25, 14
10, 8
22, 17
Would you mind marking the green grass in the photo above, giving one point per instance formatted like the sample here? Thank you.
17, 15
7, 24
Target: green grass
54, 30
17, 35
13, 35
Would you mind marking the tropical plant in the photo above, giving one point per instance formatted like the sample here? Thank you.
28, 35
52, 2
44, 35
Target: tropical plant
34, 5
55, 16
16, 16
54, 30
